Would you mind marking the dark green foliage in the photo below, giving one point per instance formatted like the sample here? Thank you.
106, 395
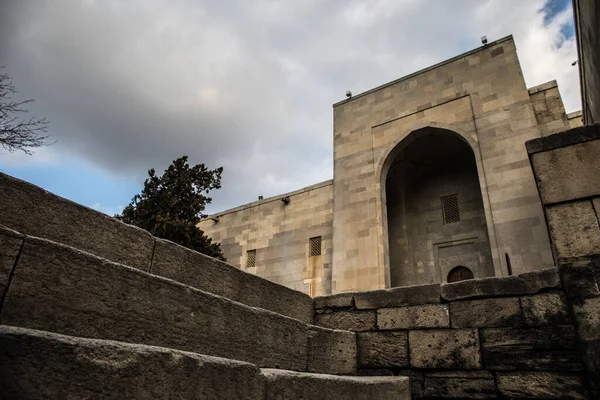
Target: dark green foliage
170, 206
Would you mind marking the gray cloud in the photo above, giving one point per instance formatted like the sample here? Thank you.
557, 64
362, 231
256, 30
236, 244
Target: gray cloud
248, 85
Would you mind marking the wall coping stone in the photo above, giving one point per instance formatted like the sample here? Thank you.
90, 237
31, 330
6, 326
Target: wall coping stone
516, 285
340, 300
397, 297
566, 138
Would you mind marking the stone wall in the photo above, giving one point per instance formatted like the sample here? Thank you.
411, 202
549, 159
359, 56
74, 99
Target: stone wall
587, 28
489, 338
482, 97
30, 209
550, 110
280, 233
567, 170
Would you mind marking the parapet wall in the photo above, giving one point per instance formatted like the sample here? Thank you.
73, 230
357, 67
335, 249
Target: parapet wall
566, 166
33, 211
489, 338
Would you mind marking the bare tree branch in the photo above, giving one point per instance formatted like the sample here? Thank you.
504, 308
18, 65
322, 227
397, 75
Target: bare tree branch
17, 133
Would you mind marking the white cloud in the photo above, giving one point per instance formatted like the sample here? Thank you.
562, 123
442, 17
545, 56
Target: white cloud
130, 85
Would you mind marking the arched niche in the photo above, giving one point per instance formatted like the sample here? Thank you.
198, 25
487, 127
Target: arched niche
434, 211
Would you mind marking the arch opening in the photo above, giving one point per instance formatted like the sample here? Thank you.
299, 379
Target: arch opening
459, 273
435, 213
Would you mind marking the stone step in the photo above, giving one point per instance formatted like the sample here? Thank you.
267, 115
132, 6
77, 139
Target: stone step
32, 210
57, 288
297, 385
43, 365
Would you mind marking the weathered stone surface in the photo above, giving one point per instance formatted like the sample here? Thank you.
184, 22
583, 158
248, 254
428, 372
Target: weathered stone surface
413, 317
545, 309
540, 385
580, 280
382, 349
10, 244
574, 229
485, 313
331, 351
60, 289
294, 385
551, 348
397, 297
33, 211
41, 365
527, 283
340, 300
568, 173
205, 273
444, 348
591, 358
587, 314
355, 321
460, 384
375, 372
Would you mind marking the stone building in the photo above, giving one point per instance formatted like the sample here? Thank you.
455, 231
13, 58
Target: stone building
432, 183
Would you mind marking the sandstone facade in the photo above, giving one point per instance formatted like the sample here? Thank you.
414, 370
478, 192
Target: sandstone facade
430, 173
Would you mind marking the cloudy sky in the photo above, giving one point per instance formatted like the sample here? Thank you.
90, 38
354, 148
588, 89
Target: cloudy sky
245, 84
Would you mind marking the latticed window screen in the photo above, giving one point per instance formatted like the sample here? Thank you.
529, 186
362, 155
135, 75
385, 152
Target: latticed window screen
450, 209
315, 246
250, 258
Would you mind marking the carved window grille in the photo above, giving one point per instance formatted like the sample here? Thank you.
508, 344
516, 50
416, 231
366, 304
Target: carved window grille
315, 246
250, 258
450, 209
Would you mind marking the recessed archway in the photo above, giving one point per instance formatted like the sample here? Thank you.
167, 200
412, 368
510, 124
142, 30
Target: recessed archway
459, 273
434, 208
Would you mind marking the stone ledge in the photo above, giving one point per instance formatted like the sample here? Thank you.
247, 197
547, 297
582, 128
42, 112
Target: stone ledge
42, 365
293, 385
211, 275
398, 297
34, 211
61, 289
572, 136
340, 300
516, 285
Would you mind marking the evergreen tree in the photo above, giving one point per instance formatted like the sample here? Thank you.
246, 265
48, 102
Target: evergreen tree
170, 206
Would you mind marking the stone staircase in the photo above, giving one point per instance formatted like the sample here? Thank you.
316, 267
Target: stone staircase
94, 308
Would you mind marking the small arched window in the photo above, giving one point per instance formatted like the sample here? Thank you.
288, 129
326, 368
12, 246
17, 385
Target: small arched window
459, 273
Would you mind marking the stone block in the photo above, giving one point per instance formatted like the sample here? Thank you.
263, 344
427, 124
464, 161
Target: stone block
413, 317
60, 289
587, 314
545, 309
460, 385
331, 351
355, 321
294, 385
10, 244
398, 297
552, 348
590, 351
206, 273
33, 211
540, 385
42, 365
382, 349
527, 283
568, 173
444, 348
485, 313
574, 229
580, 280
340, 300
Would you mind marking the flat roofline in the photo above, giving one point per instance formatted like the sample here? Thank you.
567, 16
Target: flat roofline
270, 199
440, 64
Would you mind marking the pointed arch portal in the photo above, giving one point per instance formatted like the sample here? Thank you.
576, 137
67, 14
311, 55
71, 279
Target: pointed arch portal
435, 212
